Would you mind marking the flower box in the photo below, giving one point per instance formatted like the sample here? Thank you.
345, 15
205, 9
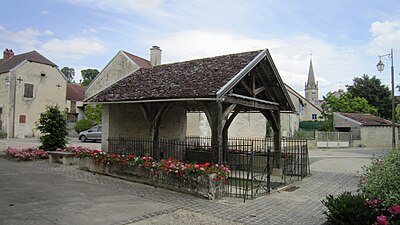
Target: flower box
204, 185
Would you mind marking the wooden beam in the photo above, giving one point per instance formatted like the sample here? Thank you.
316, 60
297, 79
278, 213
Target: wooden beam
248, 89
259, 90
268, 92
252, 103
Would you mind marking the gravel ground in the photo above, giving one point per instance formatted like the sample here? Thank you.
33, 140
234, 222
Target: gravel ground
185, 217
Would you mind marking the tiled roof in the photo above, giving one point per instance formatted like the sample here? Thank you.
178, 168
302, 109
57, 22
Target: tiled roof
142, 63
367, 119
75, 92
190, 79
8, 64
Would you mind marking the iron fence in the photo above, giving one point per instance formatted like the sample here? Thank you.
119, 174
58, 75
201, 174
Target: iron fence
250, 159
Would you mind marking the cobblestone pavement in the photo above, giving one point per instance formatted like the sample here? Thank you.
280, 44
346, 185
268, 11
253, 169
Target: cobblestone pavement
333, 172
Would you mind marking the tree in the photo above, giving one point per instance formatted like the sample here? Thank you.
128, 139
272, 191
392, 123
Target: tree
94, 113
377, 94
53, 126
88, 75
69, 73
346, 103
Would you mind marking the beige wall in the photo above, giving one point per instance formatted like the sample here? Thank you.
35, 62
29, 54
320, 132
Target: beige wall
127, 120
377, 136
119, 67
250, 124
45, 92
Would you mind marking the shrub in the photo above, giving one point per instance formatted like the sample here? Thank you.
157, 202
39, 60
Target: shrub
381, 179
3, 134
83, 124
304, 134
347, 209
310, 125
53, 126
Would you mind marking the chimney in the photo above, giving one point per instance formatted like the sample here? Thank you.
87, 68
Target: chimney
8, 53
155, 56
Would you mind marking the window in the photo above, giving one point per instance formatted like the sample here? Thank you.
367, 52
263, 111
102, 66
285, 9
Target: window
28, 91
22, 119
314, 116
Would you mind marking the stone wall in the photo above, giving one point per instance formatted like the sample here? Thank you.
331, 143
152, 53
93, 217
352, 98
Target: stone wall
127, 120
377, 136
202, 186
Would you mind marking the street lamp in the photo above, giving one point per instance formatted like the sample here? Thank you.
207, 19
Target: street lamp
380, 66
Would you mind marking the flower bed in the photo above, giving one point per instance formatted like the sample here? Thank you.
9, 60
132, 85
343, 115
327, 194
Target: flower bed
26, 154
204, 180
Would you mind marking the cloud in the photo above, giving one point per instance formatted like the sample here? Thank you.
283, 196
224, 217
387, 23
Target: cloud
291, 55
72, 49
386, 35
29, 39
120, 6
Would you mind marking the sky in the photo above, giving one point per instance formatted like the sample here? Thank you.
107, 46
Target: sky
343, 37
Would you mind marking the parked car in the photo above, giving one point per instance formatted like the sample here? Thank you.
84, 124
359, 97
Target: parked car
93, 134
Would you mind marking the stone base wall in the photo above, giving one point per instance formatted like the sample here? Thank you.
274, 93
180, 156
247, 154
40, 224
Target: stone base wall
201, 186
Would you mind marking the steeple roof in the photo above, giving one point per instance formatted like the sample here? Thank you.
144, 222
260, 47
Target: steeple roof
311, 77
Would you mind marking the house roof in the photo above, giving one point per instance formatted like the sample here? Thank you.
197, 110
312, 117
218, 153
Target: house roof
201, 78
367, 119
75, 92
8, 64
291, 90
142, 63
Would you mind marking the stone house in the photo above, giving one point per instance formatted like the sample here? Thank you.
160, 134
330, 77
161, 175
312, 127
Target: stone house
154, 102
74, 102
28, 83
366, 129
121, 65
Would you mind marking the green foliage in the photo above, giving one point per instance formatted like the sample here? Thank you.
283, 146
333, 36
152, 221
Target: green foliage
3, 134
310, 125
346, 103
347, 209
304, 134
381, 179
397, 111
88, 75
83, 124
94, 113
327, 124
69, 73
53, 126
377, 94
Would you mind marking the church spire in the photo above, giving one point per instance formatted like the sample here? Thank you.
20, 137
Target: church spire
311, 78
311, 87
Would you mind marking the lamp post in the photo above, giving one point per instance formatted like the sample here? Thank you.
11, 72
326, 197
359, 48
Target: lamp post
380, 66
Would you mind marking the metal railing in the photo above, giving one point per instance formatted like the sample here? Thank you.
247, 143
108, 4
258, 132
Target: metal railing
250, 159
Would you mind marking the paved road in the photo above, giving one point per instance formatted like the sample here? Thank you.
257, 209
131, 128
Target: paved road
40, 193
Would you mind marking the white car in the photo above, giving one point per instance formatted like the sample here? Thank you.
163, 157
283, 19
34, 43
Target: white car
93, 134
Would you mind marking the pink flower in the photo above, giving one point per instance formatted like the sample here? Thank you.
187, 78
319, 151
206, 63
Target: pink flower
395, 210
382, 220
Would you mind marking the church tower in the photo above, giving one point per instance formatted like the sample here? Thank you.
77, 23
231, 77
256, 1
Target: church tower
311, 87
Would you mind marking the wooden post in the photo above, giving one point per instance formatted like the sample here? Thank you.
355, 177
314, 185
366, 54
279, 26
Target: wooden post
277, 138
274, 118
153, 114
216, 132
